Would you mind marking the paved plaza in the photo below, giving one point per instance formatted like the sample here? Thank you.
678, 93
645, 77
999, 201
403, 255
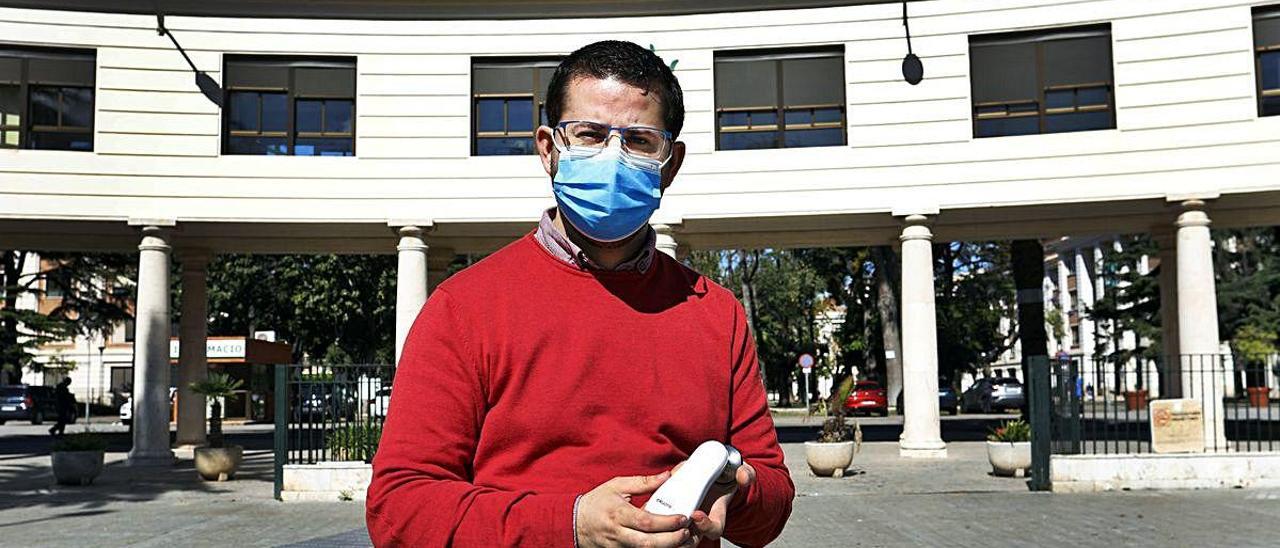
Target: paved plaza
884, 501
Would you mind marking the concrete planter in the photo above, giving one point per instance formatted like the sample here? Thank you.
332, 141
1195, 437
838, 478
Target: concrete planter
829, 459
76, 467
218, 463
1008, 457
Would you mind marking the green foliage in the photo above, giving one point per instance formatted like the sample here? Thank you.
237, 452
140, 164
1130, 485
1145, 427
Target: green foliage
975, 292
94, 291
1247, 265
1253, 342
356, 441
83, 441
1131, 302
332, 308
1011, 431
217, 385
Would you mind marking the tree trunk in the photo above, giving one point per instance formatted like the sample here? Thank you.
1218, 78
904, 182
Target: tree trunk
887, 302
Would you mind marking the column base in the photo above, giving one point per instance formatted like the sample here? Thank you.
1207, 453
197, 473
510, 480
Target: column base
186, 451
162, 458
922, 450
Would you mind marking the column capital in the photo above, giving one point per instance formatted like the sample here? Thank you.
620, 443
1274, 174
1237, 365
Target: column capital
666, 228
916, 227
155, 238
412, 238
1193, 215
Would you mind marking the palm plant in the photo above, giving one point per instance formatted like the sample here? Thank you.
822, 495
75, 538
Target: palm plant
217, 386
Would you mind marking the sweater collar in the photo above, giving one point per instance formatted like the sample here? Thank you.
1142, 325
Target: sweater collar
565, 250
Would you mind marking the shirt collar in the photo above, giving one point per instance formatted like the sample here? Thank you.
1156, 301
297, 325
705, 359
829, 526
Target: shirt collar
561, 247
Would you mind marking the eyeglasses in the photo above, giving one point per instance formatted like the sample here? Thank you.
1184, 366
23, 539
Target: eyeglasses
642, 141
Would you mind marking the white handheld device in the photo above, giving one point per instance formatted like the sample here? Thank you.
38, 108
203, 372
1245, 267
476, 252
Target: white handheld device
683, 492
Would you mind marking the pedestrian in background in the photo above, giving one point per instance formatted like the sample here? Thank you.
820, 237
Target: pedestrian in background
65, 403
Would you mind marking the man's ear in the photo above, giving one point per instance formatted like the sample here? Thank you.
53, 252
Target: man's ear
542, 140
673, 165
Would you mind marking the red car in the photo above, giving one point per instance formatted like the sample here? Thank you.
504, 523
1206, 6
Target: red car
868, 397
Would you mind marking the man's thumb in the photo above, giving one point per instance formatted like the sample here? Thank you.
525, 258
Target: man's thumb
639, 485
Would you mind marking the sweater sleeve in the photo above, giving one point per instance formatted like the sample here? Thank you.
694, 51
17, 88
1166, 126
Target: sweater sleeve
421, 493
756, 517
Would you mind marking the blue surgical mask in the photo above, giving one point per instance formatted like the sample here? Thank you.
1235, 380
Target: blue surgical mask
607, 195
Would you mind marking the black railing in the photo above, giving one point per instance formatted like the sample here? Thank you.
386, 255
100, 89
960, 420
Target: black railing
329, 413
1103, 406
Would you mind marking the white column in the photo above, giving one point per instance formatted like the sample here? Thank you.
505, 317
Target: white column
666, 239
921, 429
411, 281
1064, 302
1198, 320
151, 353
193, 333
1084, 303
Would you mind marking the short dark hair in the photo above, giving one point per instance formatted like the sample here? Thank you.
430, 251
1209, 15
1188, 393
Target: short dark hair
629, 64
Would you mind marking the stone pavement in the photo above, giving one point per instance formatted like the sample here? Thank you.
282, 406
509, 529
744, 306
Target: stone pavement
885, 501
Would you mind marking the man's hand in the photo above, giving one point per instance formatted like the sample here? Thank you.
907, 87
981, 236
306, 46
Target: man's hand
709, 520
606, 516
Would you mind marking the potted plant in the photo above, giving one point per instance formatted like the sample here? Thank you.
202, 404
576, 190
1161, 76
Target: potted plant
835, 447
216, 461
1135, 400
1009, 448
77, 458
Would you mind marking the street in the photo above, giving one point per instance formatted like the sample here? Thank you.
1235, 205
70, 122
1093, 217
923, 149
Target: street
882, 501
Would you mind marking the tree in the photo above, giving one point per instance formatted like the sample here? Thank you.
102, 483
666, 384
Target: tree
332, 308
1131, 304
975, 294
94, 297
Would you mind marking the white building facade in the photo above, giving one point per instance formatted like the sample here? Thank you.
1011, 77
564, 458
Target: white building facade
1035, 119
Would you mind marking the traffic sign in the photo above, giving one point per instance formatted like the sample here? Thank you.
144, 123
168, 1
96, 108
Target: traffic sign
806, 362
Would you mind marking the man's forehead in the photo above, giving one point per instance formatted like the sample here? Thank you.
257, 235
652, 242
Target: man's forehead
611, 100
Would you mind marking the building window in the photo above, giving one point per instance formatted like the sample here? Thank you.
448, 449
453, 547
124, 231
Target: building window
508, 99
46, 98
290, 106
780, 99
1266, 44
1042, 82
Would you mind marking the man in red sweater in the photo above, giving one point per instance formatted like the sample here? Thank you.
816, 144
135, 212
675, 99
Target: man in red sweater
546, 391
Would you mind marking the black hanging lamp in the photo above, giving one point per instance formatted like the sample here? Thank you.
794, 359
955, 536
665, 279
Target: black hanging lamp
208, 87
912, 68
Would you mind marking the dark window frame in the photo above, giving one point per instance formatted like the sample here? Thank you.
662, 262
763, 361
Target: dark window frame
538, 107
1263, 12
26, 126
780, 126
291, 64
1039, 38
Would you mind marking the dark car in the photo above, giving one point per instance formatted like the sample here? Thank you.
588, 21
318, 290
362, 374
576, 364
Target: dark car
991, 393
27, 403
948, 400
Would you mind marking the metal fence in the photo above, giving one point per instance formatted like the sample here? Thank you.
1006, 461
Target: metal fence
329, 413
1102, 406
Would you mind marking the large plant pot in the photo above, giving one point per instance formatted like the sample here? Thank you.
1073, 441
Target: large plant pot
1259, 396
76, 467
829, 459
1007, 457
1135, 400
218, 463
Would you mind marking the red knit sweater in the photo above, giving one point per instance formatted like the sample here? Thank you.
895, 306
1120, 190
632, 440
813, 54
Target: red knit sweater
526, 382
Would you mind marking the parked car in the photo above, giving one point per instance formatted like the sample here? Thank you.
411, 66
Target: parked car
867, 397
989, 394
324, 401
379, 403
27, 403
948, 400
126, 408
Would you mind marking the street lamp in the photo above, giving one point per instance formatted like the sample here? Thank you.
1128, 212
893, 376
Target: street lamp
102, 368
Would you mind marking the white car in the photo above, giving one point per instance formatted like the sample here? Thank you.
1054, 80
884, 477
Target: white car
126, 408
379, 402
